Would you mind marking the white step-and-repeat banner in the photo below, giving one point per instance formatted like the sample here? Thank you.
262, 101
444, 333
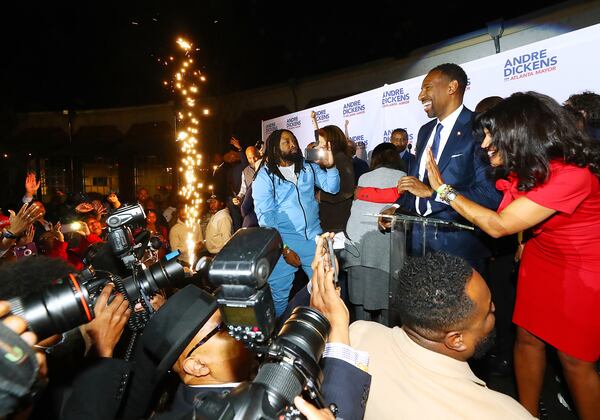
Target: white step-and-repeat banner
558, 66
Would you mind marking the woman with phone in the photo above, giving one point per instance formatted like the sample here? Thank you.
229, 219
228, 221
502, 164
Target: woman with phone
334, 209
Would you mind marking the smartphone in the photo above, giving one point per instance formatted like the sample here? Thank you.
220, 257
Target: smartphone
329, 246
26, 250
71, 227
315, 154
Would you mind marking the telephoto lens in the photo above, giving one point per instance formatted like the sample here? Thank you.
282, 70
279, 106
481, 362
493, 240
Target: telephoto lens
290, 367
302, 341
70, 302
59, 308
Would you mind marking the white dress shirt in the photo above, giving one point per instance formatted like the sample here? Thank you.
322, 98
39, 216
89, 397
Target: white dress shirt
447, 127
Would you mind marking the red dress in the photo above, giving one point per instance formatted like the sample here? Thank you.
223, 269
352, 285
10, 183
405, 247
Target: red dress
558, 292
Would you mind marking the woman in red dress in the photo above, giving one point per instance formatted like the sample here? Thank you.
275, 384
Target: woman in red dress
551, 187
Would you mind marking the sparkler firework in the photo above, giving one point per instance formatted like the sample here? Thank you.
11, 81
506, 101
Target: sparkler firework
185, 84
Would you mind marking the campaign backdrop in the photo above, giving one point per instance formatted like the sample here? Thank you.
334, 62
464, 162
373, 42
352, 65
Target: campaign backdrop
557, 66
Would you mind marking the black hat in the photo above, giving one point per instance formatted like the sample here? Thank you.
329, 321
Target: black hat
173, 326
217, 196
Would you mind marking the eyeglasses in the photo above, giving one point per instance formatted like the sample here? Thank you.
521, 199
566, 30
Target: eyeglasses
206, 338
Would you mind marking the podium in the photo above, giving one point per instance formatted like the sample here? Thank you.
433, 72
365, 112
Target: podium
400, 235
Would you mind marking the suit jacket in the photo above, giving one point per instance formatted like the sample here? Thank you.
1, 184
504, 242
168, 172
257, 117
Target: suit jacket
409, 160
462, 166
95, 390
344, 384
412, 382
360, 167
183, 402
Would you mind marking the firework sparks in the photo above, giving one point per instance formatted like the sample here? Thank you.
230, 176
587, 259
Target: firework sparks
184, 84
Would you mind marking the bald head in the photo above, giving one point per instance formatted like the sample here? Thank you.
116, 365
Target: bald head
253, 155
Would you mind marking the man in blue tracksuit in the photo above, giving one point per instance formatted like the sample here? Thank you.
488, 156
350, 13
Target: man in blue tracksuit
284, 199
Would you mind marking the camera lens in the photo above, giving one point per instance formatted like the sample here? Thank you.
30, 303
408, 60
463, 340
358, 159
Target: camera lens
55, 310
160, 275
302, 338
307, 329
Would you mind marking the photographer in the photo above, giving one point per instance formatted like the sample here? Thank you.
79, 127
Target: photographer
67, 353
187, 336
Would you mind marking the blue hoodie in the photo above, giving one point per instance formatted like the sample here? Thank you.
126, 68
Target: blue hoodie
293, 209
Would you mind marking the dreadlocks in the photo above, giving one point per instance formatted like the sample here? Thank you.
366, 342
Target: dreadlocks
273, 157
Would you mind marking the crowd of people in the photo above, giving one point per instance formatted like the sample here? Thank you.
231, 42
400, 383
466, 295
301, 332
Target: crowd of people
523, 171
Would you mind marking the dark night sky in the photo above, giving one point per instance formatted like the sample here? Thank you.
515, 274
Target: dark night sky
89, 54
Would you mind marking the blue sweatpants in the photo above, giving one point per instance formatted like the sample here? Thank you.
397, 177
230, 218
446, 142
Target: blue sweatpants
282, 277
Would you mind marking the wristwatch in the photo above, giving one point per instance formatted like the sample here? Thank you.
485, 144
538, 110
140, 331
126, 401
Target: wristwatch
8, 234
448, 194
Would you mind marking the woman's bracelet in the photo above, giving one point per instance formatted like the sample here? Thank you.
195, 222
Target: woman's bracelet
441, 189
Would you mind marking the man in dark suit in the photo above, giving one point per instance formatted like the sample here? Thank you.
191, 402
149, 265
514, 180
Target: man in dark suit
450, 138
399, 139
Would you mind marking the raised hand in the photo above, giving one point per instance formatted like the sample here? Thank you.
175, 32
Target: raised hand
56, 229
321, 249
433, 172
31, 186
325, 297
106, 328
235, 143
327, 160
27, 236
20, 221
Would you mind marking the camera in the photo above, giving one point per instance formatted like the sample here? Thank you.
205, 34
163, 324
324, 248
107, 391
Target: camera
241, 271
120, 238
26, 250
70, 301
290, 357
